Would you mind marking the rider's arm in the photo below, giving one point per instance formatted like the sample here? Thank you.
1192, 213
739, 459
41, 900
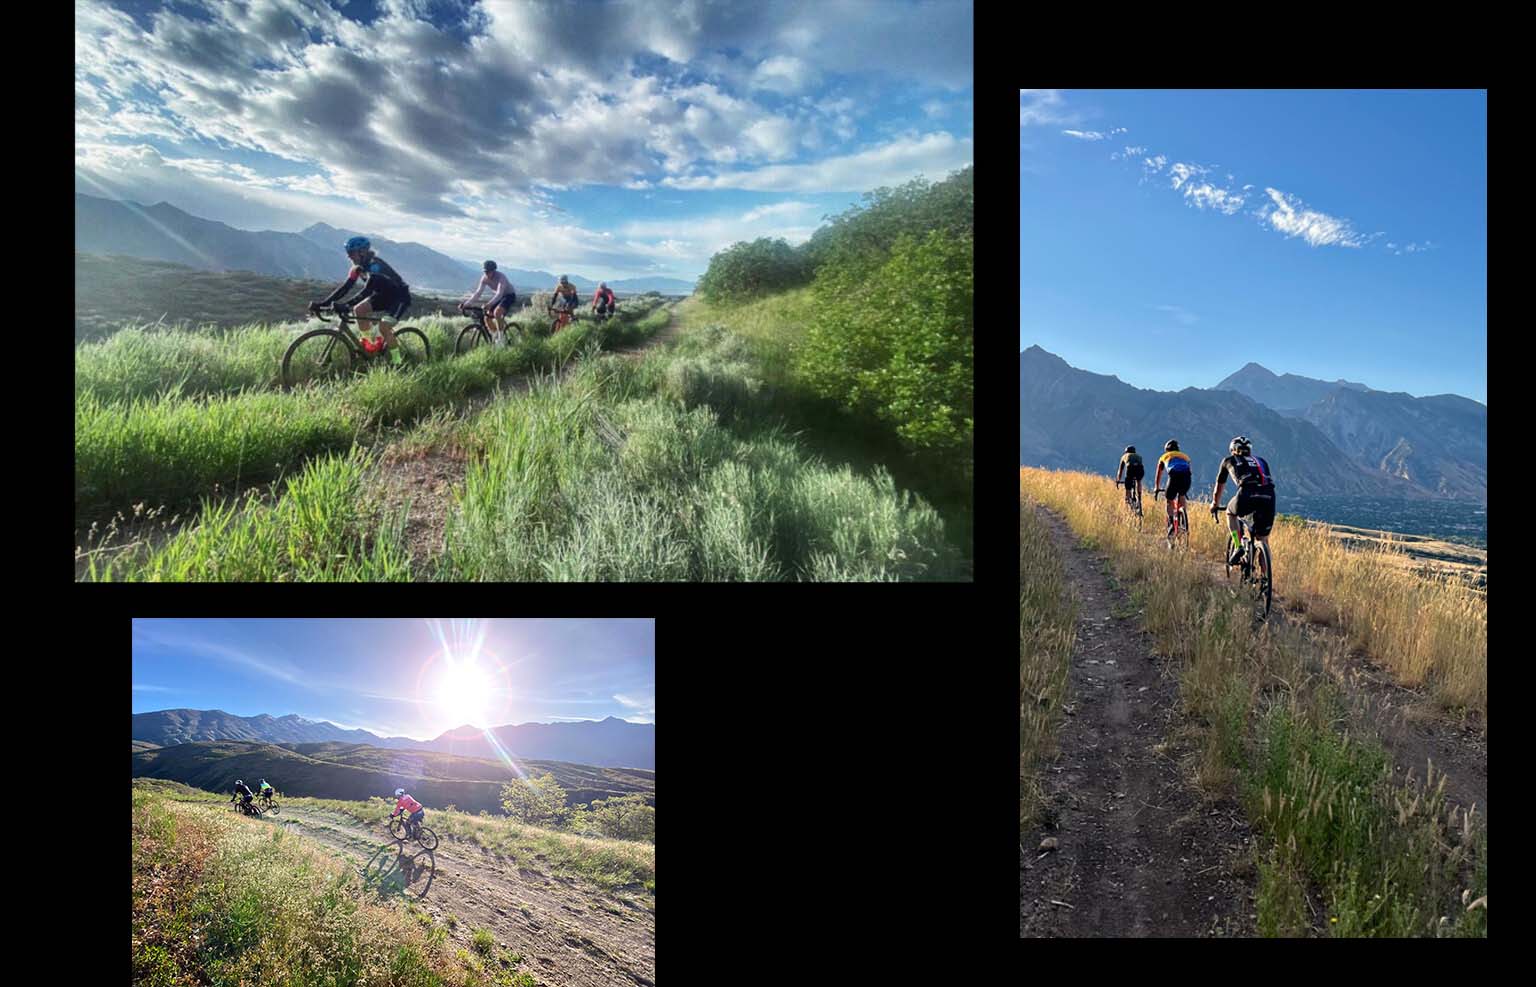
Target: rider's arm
346, 286
478, 289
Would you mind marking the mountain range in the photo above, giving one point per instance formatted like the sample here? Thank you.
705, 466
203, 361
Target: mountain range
164, 232
1320, 437
605, 743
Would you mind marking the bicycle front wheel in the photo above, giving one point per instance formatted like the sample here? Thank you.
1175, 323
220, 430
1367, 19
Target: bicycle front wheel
470, 338
315, 357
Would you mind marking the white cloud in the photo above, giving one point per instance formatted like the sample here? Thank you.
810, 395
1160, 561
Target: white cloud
1289, 216
934, 155
785, 74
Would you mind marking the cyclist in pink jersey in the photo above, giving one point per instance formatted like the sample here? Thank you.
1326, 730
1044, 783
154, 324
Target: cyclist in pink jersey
414, 813
502, 297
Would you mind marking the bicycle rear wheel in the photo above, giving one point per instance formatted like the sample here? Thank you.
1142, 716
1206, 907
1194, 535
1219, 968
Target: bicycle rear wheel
413, 346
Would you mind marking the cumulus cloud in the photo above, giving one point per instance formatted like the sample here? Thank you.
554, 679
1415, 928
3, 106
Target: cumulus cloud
447, 117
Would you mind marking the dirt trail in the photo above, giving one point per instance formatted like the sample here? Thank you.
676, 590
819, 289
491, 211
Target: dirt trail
570, 934
1139, 851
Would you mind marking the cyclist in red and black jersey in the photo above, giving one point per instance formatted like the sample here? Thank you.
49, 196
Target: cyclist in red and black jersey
602, 300
1255, 495
384, 298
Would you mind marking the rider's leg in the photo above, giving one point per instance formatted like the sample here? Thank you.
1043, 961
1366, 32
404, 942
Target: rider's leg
363, 312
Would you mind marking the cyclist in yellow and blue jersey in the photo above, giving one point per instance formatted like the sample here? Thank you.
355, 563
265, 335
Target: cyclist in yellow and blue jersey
1180, 476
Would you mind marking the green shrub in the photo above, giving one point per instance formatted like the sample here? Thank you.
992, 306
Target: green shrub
751, 270
895, 342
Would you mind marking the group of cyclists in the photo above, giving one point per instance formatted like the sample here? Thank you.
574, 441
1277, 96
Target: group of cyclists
385, 296
244, 794
412, 810
1253, 499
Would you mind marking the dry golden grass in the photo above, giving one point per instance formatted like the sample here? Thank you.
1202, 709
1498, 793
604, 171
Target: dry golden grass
1427, 631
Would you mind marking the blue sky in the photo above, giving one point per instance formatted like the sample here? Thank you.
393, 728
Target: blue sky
1170, 237
608, 139
396, 677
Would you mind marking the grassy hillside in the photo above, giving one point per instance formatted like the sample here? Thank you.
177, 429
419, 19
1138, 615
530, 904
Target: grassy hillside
221, 899
358, 772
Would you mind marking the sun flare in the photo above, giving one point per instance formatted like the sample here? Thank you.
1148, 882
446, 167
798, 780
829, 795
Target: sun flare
464, 692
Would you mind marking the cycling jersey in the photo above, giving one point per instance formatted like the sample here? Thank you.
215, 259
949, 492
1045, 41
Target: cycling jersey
1131, 461
500, 285
1246, 471
605, 296
265, 789
407, 804
378, 278
1174, 461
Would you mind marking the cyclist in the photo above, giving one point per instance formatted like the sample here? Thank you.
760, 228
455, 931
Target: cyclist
265, 789
602, 299
502, 298
405, 804
1179, 478
565, 294
384, 292
1130, 465
1255, 495
242, 793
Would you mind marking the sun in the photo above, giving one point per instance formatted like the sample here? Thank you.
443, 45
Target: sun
464, 692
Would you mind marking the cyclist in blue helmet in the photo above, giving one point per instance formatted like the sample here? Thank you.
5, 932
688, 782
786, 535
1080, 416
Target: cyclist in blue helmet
384, 298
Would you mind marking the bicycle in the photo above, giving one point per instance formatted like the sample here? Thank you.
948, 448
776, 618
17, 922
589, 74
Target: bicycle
478, 333
1254, 552
268, 803
331, 354
563, 317
246, 807
1177, 531
1133, 499
422, 835
604, 314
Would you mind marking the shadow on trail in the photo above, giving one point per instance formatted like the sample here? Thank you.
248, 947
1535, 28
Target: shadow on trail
408, 875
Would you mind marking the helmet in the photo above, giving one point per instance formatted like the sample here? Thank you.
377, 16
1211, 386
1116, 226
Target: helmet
1130, 448
1172, 445
239, 782
1239, 445
602, 285
489, 265
399, 792
357, 243
564, 278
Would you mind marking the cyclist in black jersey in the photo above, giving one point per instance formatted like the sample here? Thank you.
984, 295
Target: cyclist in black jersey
1255, 494
384, 293
1131, 466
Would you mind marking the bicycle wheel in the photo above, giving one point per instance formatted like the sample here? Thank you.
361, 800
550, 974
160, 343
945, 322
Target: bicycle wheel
1266, 577
470, 338
426, 838
397, 829
317, 356
414, 349
272, 807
